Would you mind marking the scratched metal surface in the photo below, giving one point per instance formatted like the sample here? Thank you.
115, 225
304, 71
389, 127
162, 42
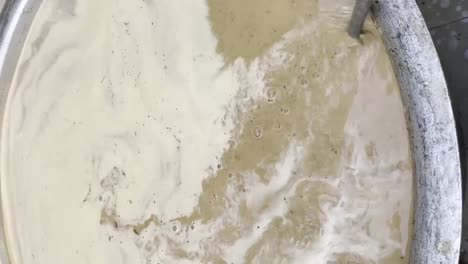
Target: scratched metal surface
448, 24
437, 215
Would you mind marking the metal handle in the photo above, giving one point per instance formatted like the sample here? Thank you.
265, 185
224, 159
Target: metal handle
360, 11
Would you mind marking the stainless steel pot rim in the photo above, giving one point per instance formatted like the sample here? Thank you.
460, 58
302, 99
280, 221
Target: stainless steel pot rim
437, 205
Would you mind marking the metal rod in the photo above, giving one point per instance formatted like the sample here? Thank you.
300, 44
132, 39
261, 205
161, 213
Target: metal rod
360, 11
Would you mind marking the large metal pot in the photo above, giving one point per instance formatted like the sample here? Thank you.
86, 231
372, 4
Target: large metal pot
437, 203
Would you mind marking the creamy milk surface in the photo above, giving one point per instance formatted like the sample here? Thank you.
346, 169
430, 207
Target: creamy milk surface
204, 131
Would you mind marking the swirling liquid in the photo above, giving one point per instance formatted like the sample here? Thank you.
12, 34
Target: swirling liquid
192, 131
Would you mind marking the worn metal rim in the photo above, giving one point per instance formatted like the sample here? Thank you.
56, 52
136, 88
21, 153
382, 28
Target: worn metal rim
437, 201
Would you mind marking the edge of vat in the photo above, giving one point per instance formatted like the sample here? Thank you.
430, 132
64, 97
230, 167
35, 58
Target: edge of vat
438, 199
15, 20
